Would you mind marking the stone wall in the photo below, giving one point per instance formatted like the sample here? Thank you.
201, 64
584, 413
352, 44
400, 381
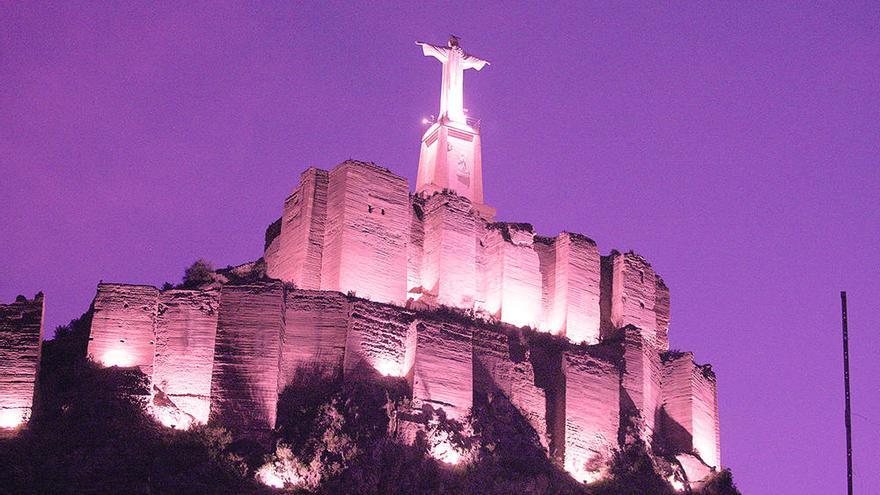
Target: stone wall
297, 256
592, 415
357, 228
443, 367
21, 339
247, 359
449, 274
635, 298
124, 326
575, 308
380, 339
368, 227
315, 329
186, 327
640, 383
503, 374
689, 418
513, 287
229, 356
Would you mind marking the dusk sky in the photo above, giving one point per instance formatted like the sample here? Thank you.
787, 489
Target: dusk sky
734, 145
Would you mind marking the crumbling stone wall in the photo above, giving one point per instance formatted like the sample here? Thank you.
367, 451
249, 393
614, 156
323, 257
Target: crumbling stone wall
247, 359
21, 339
575, 309
380, 339
124, 326
315, 329
592, 415
449, 274
634, 298
298, 253
503, 373
513, 277
186, 327
640, 384
443, 367
689, 418
365, 242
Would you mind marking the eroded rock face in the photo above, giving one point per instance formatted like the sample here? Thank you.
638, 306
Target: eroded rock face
21, 339
247, 359
124, 326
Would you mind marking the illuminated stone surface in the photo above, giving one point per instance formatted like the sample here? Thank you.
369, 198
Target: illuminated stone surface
315, 328
449, 262
443, 368
640, 381
381, 340
661, 308
186, 326
575, 290
512, 287
244, 383
21, 339
689, 419
365, 242
592, 415
301, 242
124, 326
634, 295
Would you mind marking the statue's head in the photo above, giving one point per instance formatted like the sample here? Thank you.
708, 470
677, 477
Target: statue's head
453, 41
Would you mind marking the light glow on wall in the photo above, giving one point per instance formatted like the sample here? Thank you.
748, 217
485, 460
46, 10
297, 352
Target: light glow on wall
388, 367
12, 418
116, 357
581, 473
445, 452
677, 484
172, 418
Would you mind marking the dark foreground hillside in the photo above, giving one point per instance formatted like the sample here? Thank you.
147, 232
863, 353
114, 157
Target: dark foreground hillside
90, 435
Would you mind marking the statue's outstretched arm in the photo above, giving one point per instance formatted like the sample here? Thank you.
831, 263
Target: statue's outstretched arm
430, 50
472, 62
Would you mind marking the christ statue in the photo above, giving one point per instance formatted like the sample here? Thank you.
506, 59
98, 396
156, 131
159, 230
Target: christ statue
455, 61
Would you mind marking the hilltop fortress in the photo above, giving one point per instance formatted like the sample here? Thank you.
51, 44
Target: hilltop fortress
366, 278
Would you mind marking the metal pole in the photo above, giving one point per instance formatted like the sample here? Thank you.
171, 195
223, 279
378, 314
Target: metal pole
849, 470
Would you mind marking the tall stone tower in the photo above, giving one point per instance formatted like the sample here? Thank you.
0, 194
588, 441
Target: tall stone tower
450, 155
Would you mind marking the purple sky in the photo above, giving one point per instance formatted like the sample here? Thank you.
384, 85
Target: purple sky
735, 146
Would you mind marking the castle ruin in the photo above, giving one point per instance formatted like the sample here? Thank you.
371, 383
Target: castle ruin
365, 277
